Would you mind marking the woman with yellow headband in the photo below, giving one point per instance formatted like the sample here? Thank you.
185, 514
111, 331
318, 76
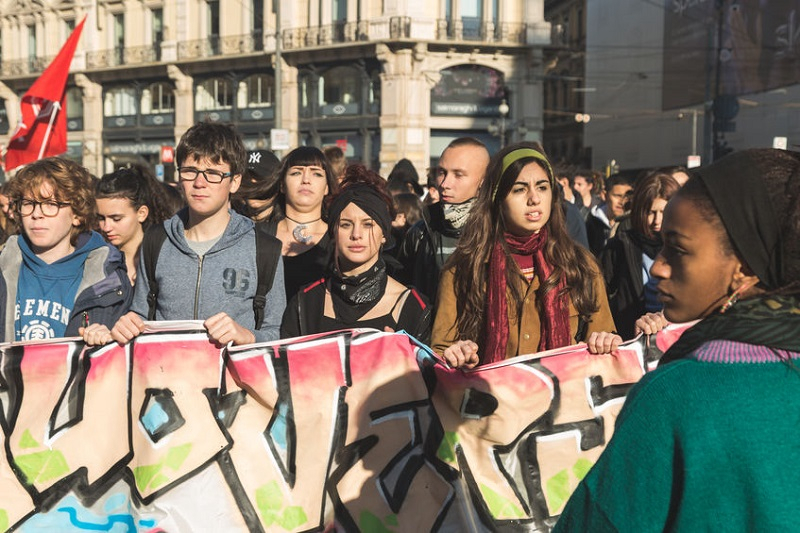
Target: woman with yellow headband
517, 282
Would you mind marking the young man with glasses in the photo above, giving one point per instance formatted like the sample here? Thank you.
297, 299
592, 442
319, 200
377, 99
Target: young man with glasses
206, 268
58, 276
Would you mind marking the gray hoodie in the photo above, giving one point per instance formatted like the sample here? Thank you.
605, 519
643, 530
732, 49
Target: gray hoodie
223, 280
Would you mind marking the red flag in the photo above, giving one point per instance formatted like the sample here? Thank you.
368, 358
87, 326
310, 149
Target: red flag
42, 130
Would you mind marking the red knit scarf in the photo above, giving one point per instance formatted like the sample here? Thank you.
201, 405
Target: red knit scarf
554, 316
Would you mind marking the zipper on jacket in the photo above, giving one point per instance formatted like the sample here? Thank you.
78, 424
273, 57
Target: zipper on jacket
197, 286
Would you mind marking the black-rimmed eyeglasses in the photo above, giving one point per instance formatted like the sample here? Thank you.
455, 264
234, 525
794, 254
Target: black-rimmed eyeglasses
49, 208
210, 175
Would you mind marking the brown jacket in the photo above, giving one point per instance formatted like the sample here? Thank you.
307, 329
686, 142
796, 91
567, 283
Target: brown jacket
524, 331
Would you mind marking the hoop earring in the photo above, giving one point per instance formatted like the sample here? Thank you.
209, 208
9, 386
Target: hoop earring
734, 297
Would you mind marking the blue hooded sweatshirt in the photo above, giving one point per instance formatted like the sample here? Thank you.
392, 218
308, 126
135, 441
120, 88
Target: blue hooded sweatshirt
88, 286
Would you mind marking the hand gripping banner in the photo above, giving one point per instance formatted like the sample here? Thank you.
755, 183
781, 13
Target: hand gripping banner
356, 430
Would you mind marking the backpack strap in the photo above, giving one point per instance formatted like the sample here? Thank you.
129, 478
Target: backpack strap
268, 253
151, 246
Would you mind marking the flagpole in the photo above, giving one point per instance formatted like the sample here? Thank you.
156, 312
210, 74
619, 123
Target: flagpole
57, 108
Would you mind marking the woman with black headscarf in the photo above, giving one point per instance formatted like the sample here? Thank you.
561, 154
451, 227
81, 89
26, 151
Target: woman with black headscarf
358, 292
709, 440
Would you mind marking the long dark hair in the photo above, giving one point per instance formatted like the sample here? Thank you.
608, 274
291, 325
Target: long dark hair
301, 156
485, 226
646, 191
137, 185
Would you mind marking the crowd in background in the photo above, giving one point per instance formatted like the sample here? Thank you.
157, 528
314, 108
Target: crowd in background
490, 256
615, 218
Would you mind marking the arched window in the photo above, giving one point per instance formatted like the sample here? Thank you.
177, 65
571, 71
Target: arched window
119, 101
257, 90
471, 90
158, 98
340, 85
213, 94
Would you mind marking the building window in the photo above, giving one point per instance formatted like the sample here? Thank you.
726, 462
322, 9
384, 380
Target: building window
74, 98
258, 25
375, 94
3, 118
158, 98
158, 31
74, 108
213, 18
212, 26
69, 26
340, 85
213, 94
119, 101
304, 89
339, 10
471, 90
32, 47
256, 91
471, 18
119, 38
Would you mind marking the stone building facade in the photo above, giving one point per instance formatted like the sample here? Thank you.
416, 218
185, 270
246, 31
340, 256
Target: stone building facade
383, 79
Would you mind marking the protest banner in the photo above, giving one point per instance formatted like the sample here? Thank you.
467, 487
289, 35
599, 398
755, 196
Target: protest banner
356, 430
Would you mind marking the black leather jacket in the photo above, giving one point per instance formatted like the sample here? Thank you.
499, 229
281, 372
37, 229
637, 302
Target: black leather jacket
423, 251
622, 269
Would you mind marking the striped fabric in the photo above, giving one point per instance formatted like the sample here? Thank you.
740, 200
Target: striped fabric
724, 351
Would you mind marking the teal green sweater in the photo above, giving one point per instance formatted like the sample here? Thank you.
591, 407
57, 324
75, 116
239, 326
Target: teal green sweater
709, 443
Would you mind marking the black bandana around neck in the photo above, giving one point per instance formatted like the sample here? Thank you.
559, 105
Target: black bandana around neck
353, 296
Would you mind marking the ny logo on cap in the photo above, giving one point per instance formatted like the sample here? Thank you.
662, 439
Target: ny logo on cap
255, 158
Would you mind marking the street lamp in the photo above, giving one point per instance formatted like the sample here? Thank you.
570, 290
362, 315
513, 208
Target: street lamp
503, 108
500, 131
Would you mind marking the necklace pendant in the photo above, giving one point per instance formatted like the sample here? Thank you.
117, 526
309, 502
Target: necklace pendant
299, 234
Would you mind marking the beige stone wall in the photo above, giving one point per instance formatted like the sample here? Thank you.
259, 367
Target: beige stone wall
411, 60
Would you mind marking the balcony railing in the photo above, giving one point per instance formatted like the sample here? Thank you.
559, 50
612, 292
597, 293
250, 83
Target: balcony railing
115, 57
463, 29
400, 27
338, 32
475, 29
21, 67
215, 45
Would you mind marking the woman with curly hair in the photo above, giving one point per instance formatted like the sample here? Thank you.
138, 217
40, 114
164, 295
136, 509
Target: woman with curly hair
517, 283
58, 278
129, 200
357, 291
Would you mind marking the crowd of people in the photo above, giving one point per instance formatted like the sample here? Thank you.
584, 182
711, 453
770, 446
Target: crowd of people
262, 248
492, 257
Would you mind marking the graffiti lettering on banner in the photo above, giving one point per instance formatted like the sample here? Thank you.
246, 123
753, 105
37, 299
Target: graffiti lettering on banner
356, 430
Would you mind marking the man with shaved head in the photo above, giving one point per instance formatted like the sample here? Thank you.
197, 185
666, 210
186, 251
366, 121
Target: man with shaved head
430, 241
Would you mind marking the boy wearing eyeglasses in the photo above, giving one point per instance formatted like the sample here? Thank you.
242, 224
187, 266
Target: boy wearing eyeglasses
58, 276
206, 268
